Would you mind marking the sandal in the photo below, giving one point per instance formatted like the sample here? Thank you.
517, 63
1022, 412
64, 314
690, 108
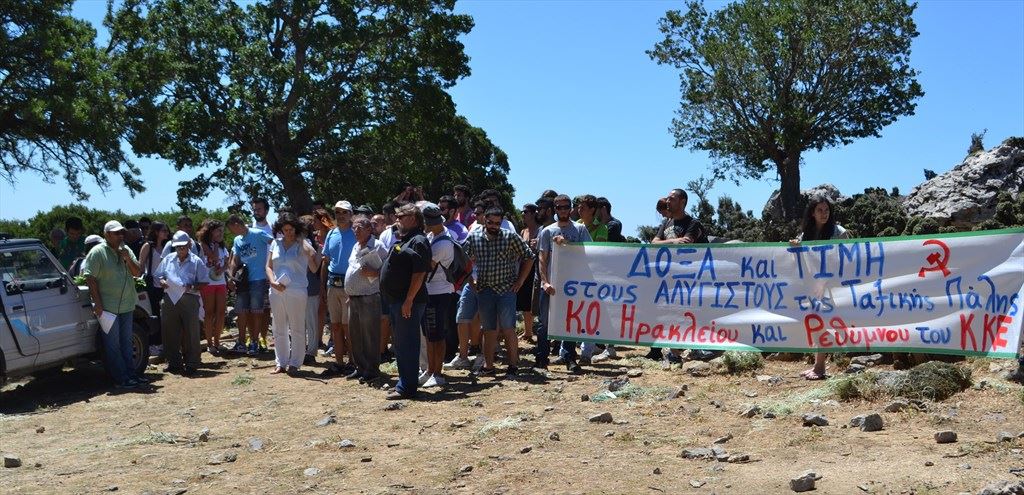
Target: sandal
277, 370
813, 375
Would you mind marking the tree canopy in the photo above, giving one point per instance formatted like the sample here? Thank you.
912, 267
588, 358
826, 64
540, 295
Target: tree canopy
295, 99
764, 81
59, 108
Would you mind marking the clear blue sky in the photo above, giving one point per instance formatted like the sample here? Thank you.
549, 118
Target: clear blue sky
565, 88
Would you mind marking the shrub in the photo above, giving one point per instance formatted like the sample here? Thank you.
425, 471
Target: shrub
742, 362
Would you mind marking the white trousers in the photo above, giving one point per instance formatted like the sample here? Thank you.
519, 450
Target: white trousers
289, 322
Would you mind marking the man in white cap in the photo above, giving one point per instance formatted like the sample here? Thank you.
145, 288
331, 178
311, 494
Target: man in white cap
109, 271
337, 250
181, 276
90, 242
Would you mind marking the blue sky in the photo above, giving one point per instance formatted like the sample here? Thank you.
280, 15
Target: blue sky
565, 88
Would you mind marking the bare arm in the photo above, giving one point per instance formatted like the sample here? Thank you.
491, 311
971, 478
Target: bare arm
94, 293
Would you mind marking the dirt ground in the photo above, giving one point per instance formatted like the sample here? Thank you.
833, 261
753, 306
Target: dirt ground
74, 434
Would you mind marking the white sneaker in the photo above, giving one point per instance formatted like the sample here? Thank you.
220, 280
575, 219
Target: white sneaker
478, 362
458, 363
423, 378
431, 382
439, 380
604, 356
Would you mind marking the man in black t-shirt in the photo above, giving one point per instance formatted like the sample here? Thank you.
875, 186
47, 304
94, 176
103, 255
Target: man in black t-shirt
402, 282
679, 228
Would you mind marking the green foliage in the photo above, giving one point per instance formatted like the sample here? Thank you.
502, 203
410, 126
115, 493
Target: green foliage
977, 144
763, 81
60, 114
1015, 141
40, 225
741, 362
733, 223
934, 380
646, 233
303, 96
872, 212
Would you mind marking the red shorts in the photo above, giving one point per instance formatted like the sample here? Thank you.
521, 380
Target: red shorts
211, 290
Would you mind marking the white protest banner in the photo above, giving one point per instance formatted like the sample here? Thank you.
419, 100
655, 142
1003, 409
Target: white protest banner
955, 293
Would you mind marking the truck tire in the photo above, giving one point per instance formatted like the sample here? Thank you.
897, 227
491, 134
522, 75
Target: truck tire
140, 347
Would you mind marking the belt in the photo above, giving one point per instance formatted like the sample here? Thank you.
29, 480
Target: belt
376, 294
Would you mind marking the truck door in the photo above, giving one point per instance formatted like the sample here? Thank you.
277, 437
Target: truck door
19, 346
51, 303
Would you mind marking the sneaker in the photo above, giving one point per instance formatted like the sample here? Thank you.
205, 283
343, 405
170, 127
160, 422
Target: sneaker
253, 349
478, 363
239, 347
673, 358
354, 375
439, 380
263, 342
458, 363
558, 360
484, 372
262, 349
329, 351
512, 372
431, 382
156, 350
423, 378
573, 367
604, 356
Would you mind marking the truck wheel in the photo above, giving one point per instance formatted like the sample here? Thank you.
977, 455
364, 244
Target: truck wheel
140, 347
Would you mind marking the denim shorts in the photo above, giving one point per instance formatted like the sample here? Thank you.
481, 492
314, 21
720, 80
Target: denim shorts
254, 299
497, 311
467, 305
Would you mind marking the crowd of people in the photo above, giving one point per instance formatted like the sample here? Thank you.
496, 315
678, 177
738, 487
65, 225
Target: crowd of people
435, 286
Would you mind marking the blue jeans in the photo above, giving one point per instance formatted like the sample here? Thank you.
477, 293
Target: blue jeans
405, 340
568, 350
543, 349
497, 311
117, 349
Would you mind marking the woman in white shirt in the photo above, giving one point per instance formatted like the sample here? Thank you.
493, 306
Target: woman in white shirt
291, 255
215, 294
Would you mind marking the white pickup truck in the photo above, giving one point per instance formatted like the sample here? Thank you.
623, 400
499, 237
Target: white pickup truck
46, 320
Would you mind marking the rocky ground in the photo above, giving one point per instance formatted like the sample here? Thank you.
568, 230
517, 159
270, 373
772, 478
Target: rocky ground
625, 426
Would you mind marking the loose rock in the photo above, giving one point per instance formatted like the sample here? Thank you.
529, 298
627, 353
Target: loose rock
617, 384
868, 422
721, 440
657, 470
40, 429
311, 471
929, 463
204, 435
394, 406
734, 458
346, 444
11, 461
635, 373
366, 459
804, 482
609, 433
1003, 487
222, 458
1005, 436
696, 483
675, 393
605, 417
553, 436
945, 436
815, 420
769, 379
750, 412
584, 398
327, 420
526, 450
897, 406
255, 444
466, 469
697, 368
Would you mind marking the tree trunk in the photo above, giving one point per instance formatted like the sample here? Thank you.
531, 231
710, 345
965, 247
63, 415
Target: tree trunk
789, 192
297, 192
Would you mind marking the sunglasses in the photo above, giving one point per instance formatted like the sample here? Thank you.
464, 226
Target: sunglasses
563, 207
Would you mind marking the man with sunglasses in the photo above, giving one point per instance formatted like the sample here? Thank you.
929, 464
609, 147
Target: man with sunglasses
502, 262
336, 251
564, 230
449, 210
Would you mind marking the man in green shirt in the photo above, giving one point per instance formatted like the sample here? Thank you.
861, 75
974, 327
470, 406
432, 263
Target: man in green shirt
588, 217
109, 271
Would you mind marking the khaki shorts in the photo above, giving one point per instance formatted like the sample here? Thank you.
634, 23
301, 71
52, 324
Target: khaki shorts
337, 305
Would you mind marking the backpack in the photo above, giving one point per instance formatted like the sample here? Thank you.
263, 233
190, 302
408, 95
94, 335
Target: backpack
459, 267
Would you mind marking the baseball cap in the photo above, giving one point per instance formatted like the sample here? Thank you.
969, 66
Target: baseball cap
432, 214
343, 205
93, 239
364, 210
180, 238
112, 226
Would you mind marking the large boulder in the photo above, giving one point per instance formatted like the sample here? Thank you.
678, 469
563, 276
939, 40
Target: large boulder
966, 195
773, 208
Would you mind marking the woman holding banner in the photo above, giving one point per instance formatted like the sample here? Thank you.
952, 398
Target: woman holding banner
819, 224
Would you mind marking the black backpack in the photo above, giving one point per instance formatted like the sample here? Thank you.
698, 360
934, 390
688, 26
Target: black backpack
459, 268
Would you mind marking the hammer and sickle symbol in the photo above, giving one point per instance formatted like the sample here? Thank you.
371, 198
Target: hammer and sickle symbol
938, 261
